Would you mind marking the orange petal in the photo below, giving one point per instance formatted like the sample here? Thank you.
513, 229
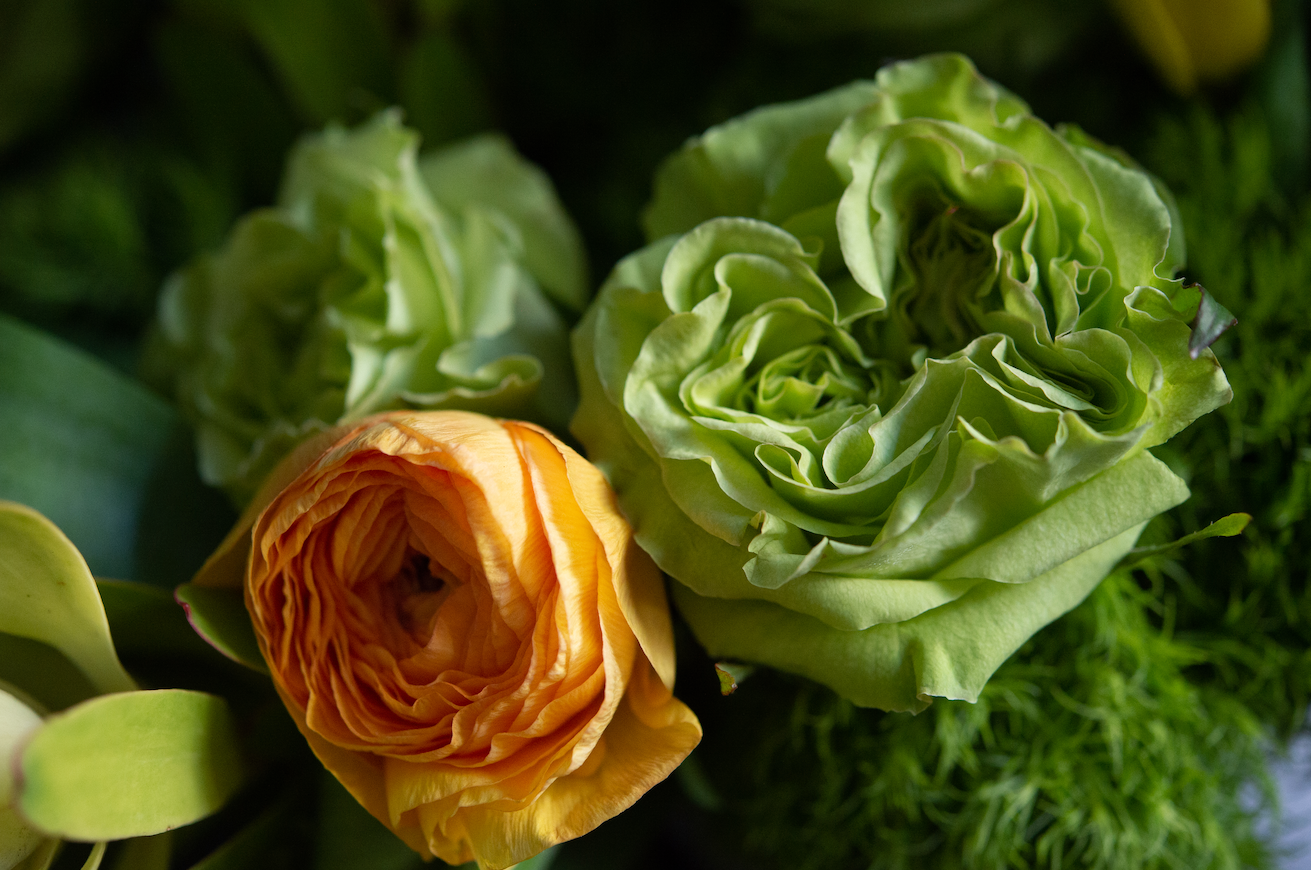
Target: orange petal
650, 735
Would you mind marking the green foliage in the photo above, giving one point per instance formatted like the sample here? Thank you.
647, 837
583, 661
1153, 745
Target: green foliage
1249, 607
1090, 748
94, 233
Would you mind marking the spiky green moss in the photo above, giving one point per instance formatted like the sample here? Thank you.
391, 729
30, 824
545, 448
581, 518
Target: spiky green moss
1090, 748
1248, 607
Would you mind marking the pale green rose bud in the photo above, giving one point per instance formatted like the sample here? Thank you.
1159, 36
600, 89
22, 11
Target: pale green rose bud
381, 280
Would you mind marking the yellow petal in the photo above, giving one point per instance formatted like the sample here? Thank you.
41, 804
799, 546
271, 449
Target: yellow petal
650, 735
1191, 41
639, 585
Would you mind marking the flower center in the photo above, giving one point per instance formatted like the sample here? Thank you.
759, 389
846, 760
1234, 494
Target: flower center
417, 591
953, 264
802, 382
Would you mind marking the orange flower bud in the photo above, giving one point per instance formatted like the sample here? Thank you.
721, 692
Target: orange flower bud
456, 616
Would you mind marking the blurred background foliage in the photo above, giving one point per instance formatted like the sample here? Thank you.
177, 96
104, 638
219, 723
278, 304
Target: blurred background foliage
1132, 733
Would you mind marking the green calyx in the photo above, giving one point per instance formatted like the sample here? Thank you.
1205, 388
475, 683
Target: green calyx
381, 280
880, 400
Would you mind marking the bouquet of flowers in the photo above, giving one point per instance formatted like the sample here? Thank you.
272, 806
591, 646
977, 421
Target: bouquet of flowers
345, 522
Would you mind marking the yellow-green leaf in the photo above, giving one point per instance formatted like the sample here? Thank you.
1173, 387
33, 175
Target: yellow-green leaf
130, 765
47, 594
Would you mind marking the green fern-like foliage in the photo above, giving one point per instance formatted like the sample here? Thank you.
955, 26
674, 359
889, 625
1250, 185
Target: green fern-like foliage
1089, 749
1249, 239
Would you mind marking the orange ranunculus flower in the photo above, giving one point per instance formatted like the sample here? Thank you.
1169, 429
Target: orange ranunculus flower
456, 616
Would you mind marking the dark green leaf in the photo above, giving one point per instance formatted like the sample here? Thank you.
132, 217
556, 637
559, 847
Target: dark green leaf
43, 672
252, 843
350, 838
147, 620
143, 853
78, 442
220, 617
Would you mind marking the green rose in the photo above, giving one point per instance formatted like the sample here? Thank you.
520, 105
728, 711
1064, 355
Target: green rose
380, 281
880, 399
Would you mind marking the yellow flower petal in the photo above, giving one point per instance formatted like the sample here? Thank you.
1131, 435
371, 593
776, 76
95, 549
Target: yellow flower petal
1192, 41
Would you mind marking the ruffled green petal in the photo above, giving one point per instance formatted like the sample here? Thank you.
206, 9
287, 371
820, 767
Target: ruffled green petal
947, 652
374, 285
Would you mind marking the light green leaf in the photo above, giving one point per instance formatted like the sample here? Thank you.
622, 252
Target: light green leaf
47, 594
44, 856
130, 765
219, 616
1225, 527
78, 442
18, 838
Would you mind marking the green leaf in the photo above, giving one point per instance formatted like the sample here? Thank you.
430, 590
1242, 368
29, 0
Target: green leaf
220, 617
43, 43
730, 674
1225, 527
697, 786
441, 90
148, 621
144, 853
540, 861
325, 51
181, 519
350, 838
43, 673
228, 104
249, 846
47, 594
1211, 321
18, 838
42, 858
130, 765
79, 443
